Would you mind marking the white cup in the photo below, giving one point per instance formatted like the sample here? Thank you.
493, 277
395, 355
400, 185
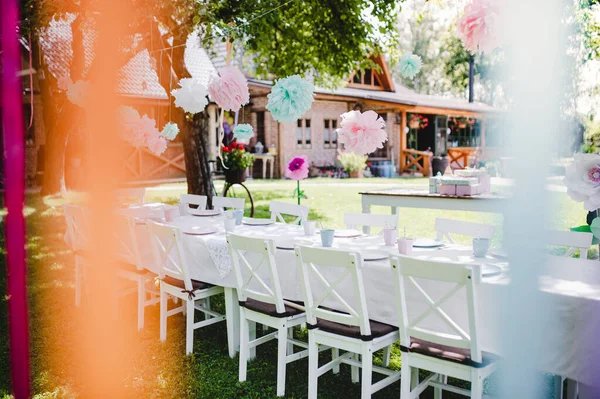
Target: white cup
229, 214
229, 224
405, 246
309, 227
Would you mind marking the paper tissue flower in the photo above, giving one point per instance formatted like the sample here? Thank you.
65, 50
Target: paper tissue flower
170, 131
64, 83
478, 27
78, 92
297, 169
410, 65
156, 144
243, 131
191, 97
290, 98
229, 89
582, 179
362, 132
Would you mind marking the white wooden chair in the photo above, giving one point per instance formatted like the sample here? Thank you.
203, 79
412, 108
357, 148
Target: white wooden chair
132, 195
78, 230
456, 353
368, 220
445, 227
175, 280
349, 329
185, 200
261, 301
278, 209
573, 240
228, 202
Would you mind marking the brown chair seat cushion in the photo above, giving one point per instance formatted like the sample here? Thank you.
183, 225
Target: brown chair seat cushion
129, 267
377, 329
269, 309
449, 353
196, 285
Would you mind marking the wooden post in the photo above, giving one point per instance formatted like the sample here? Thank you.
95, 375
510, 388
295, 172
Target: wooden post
402, 144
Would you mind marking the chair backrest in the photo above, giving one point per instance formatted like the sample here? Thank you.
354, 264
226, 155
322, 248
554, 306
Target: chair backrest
278, 209
248, 255
228, 202
330, 268
406, 272
126, 243
78, 226
132, 195
574, 240
354, 220
185, 200
445, 227
168, 251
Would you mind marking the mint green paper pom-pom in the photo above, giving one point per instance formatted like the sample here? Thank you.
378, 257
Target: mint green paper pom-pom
170, 131
243, 131
290, 98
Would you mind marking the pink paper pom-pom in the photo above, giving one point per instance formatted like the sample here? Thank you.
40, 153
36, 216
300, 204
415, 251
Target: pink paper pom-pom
64, 83
362, 132
297, 168
478, 26
157, 144
230, 89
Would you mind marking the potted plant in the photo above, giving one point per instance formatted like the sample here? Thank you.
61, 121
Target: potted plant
418, 121
353, 164
439, 164
235, 160
462, 123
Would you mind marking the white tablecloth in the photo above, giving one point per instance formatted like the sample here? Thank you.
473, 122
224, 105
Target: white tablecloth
573, 291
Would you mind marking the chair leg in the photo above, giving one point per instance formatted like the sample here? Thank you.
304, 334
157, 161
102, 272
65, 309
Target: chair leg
189, 327
281, 360
386, 355
405, 380
141, 300
437, 392
252, 334
476, 385
367, 372
354, 369
207, 305
558, 387
335, 353
163, 313
290, 346
244, 337
313, 366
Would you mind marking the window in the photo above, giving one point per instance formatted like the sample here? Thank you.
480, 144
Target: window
464, 132
303, 133
382, 153
260, 127
329, 133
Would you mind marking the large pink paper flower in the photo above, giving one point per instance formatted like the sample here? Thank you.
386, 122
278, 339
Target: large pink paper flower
478, 26
362, 132
230, 89
297, 169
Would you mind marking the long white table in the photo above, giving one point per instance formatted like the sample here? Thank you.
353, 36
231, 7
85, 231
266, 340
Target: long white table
573, 301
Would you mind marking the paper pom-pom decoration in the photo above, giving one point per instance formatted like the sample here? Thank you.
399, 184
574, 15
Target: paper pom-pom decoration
170, 131
297, 169
243, 131
64, 83
78, 92
191, 97
362, 132
478, 27
582, 179
229, 89
290, 98
157, 144
410, 65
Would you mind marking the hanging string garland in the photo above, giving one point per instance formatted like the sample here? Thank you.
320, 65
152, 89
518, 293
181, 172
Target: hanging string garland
243, 131
362, 132
290, 98
478, 26
410, 65
229, 89
170, 131
191, 97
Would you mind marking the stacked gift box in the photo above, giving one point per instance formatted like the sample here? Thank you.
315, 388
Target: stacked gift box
464, 182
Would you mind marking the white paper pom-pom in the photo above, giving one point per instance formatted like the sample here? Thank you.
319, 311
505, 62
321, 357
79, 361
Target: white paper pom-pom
191, 97
78, 92
170, 131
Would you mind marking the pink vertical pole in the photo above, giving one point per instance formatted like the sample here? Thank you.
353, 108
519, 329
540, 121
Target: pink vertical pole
14, 196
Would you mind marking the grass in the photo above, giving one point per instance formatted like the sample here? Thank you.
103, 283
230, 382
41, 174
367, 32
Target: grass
161, 370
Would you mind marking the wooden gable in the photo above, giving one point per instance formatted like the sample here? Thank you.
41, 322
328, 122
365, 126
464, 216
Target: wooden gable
370, 79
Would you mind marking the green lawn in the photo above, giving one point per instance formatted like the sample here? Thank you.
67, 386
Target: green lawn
209, 373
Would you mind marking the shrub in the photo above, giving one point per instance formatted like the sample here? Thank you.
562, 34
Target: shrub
352, 162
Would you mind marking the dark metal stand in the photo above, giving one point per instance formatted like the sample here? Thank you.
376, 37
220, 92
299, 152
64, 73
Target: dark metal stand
229, 185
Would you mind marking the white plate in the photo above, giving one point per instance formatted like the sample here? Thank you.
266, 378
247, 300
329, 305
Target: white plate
347, 233
204, 212
498, 253
427, 243
285, 244
257, 222
198, 230
490, 270
374, 255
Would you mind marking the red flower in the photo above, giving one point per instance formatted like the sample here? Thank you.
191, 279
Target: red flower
225, 149
241, 147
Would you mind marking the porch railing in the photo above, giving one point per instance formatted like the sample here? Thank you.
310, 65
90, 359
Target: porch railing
459, 156
415, 161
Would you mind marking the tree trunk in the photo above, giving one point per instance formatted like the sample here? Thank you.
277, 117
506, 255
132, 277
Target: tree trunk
196, 151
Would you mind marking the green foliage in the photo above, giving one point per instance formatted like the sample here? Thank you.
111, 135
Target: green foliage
591, 137
235, 157
352, 162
